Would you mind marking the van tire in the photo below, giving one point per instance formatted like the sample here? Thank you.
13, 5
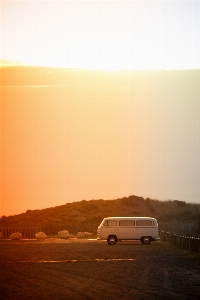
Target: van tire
112, 240
145, 240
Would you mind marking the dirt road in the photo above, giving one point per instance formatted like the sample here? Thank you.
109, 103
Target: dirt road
90, 269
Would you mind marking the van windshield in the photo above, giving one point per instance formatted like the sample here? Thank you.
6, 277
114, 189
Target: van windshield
109, 223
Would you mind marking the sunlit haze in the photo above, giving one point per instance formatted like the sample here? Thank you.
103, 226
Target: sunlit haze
108, 35
107, 106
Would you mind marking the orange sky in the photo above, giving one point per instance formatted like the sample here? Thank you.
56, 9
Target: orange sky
100, 134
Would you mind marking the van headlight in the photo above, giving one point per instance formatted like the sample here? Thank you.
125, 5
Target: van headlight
98, 234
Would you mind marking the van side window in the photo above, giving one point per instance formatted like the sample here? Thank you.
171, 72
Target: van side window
112, 223
144, 223
126, 223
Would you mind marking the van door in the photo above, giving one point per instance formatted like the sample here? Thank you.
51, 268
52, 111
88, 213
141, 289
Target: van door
110, 228
127, 230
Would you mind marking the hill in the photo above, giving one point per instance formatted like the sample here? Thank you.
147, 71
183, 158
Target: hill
87, 215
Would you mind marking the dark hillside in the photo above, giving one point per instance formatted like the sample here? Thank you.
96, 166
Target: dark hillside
87, 215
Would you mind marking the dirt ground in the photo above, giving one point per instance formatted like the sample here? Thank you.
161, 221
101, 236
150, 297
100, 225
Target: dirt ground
91, 269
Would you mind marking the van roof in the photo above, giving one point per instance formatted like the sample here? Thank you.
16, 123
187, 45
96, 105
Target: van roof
126, 218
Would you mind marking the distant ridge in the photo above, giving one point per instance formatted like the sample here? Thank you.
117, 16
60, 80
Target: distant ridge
9, 63
87, 215
14, 74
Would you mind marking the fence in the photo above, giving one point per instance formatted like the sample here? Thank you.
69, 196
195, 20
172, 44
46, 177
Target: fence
27, 232
188, 243
187, 228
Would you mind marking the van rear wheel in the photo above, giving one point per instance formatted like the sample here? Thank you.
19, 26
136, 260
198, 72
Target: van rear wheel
146, 240
112, 240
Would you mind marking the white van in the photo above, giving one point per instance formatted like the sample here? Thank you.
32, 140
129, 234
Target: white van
113, 229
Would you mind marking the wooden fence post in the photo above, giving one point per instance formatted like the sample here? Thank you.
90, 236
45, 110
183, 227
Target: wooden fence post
191, 244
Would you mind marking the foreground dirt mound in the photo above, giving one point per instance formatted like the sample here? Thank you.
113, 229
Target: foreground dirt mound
90, 269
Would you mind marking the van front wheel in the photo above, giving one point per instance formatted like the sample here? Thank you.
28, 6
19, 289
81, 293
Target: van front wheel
112, 240
146, 240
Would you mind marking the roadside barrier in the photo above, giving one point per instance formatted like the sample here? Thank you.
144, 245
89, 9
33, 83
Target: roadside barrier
27, 232
188, 243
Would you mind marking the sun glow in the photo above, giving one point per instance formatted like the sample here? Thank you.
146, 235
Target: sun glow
101, 34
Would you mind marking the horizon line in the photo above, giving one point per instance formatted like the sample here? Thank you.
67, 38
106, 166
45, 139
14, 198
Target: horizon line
13, 63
